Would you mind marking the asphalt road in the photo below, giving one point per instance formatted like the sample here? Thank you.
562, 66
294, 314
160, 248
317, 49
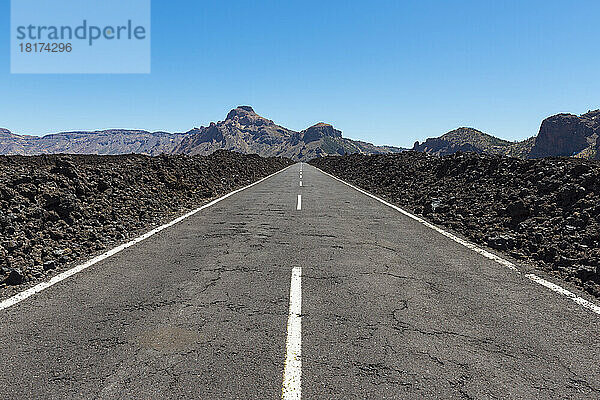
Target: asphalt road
390, 309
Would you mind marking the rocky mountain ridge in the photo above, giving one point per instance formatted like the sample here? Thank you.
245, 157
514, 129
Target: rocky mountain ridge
560, 135
106, 142
472, 140
243, 130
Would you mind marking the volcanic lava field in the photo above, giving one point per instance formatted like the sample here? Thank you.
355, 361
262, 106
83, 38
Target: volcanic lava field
543, 211
58, 209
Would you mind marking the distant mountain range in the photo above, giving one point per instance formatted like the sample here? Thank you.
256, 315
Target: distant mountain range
115, 141
247, 132
559, 135
242, 130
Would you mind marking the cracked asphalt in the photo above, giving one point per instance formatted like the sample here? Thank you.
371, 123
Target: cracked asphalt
391, 310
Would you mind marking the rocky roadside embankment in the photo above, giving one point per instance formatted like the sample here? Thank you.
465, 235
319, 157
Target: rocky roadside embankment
58, 209
545, 211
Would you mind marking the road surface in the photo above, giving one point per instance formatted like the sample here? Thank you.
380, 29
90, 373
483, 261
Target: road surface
307, 290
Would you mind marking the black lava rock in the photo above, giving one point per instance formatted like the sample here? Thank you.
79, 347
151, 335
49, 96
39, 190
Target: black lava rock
13, 276
545, 211
56, 209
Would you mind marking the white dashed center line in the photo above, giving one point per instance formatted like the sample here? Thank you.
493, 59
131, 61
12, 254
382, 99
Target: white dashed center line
292, 372
300, 183
299, 206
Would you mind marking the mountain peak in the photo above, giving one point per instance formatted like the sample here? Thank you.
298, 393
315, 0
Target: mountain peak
240, 112
464, 133
319, 131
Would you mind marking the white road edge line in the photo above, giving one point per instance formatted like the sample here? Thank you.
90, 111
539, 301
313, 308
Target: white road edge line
299, 205
552, 286
292, 372
66, 274
559, 289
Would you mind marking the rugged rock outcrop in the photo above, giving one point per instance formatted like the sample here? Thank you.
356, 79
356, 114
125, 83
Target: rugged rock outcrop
544, 211
318, 132
568, 135
58, 209
243, 130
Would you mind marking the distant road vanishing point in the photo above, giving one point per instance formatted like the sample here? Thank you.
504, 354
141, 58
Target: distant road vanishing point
299, 286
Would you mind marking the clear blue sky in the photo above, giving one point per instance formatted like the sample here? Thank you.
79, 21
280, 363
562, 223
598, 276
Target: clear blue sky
390, 72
